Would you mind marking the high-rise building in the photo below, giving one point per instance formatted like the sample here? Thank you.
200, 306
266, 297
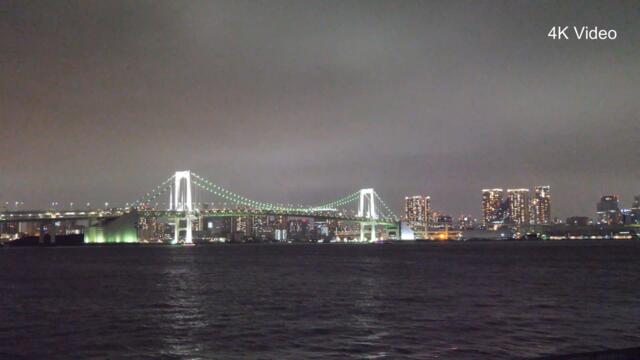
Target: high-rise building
541, 205
491, 201
608, 210
635, 210
519, 205
503, 213
416, 209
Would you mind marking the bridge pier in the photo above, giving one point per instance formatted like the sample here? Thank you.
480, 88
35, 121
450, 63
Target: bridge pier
367, 209
363, 235
182, 202
188, 228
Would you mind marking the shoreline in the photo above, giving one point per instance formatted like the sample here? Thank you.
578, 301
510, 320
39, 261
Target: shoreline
388, 242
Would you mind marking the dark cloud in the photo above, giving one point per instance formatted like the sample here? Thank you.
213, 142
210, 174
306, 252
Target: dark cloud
295, 101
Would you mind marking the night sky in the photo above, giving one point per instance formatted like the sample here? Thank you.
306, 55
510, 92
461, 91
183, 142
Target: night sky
305, 101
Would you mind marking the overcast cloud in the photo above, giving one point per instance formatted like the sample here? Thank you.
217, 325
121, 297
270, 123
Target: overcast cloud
304, 101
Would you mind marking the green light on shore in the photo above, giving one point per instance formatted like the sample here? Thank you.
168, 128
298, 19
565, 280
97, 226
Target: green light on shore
120, 230
98, 235
94, 235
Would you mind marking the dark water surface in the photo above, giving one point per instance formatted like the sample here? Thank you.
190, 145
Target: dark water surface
415, 301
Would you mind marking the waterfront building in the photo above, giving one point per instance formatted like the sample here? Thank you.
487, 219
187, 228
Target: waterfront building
519, 205
298, 228
150, 229
578, 221
262, 227
444, 222
491, 201
10, 228
608, 210
242, 225
541, 205
218, 227
626, 217
416, 209
466, 222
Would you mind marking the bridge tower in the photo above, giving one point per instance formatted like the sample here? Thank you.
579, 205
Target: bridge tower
367, 210
182, 203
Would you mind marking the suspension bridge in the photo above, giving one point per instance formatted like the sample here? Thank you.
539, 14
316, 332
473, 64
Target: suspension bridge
184, 207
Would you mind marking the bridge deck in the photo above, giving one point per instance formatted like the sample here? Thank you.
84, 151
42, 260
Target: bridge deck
40, 215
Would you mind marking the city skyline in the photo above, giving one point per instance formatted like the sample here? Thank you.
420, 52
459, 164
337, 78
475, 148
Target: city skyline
292, 102
518, 205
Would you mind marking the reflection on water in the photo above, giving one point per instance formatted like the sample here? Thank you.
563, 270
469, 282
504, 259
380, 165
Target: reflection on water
415, 301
